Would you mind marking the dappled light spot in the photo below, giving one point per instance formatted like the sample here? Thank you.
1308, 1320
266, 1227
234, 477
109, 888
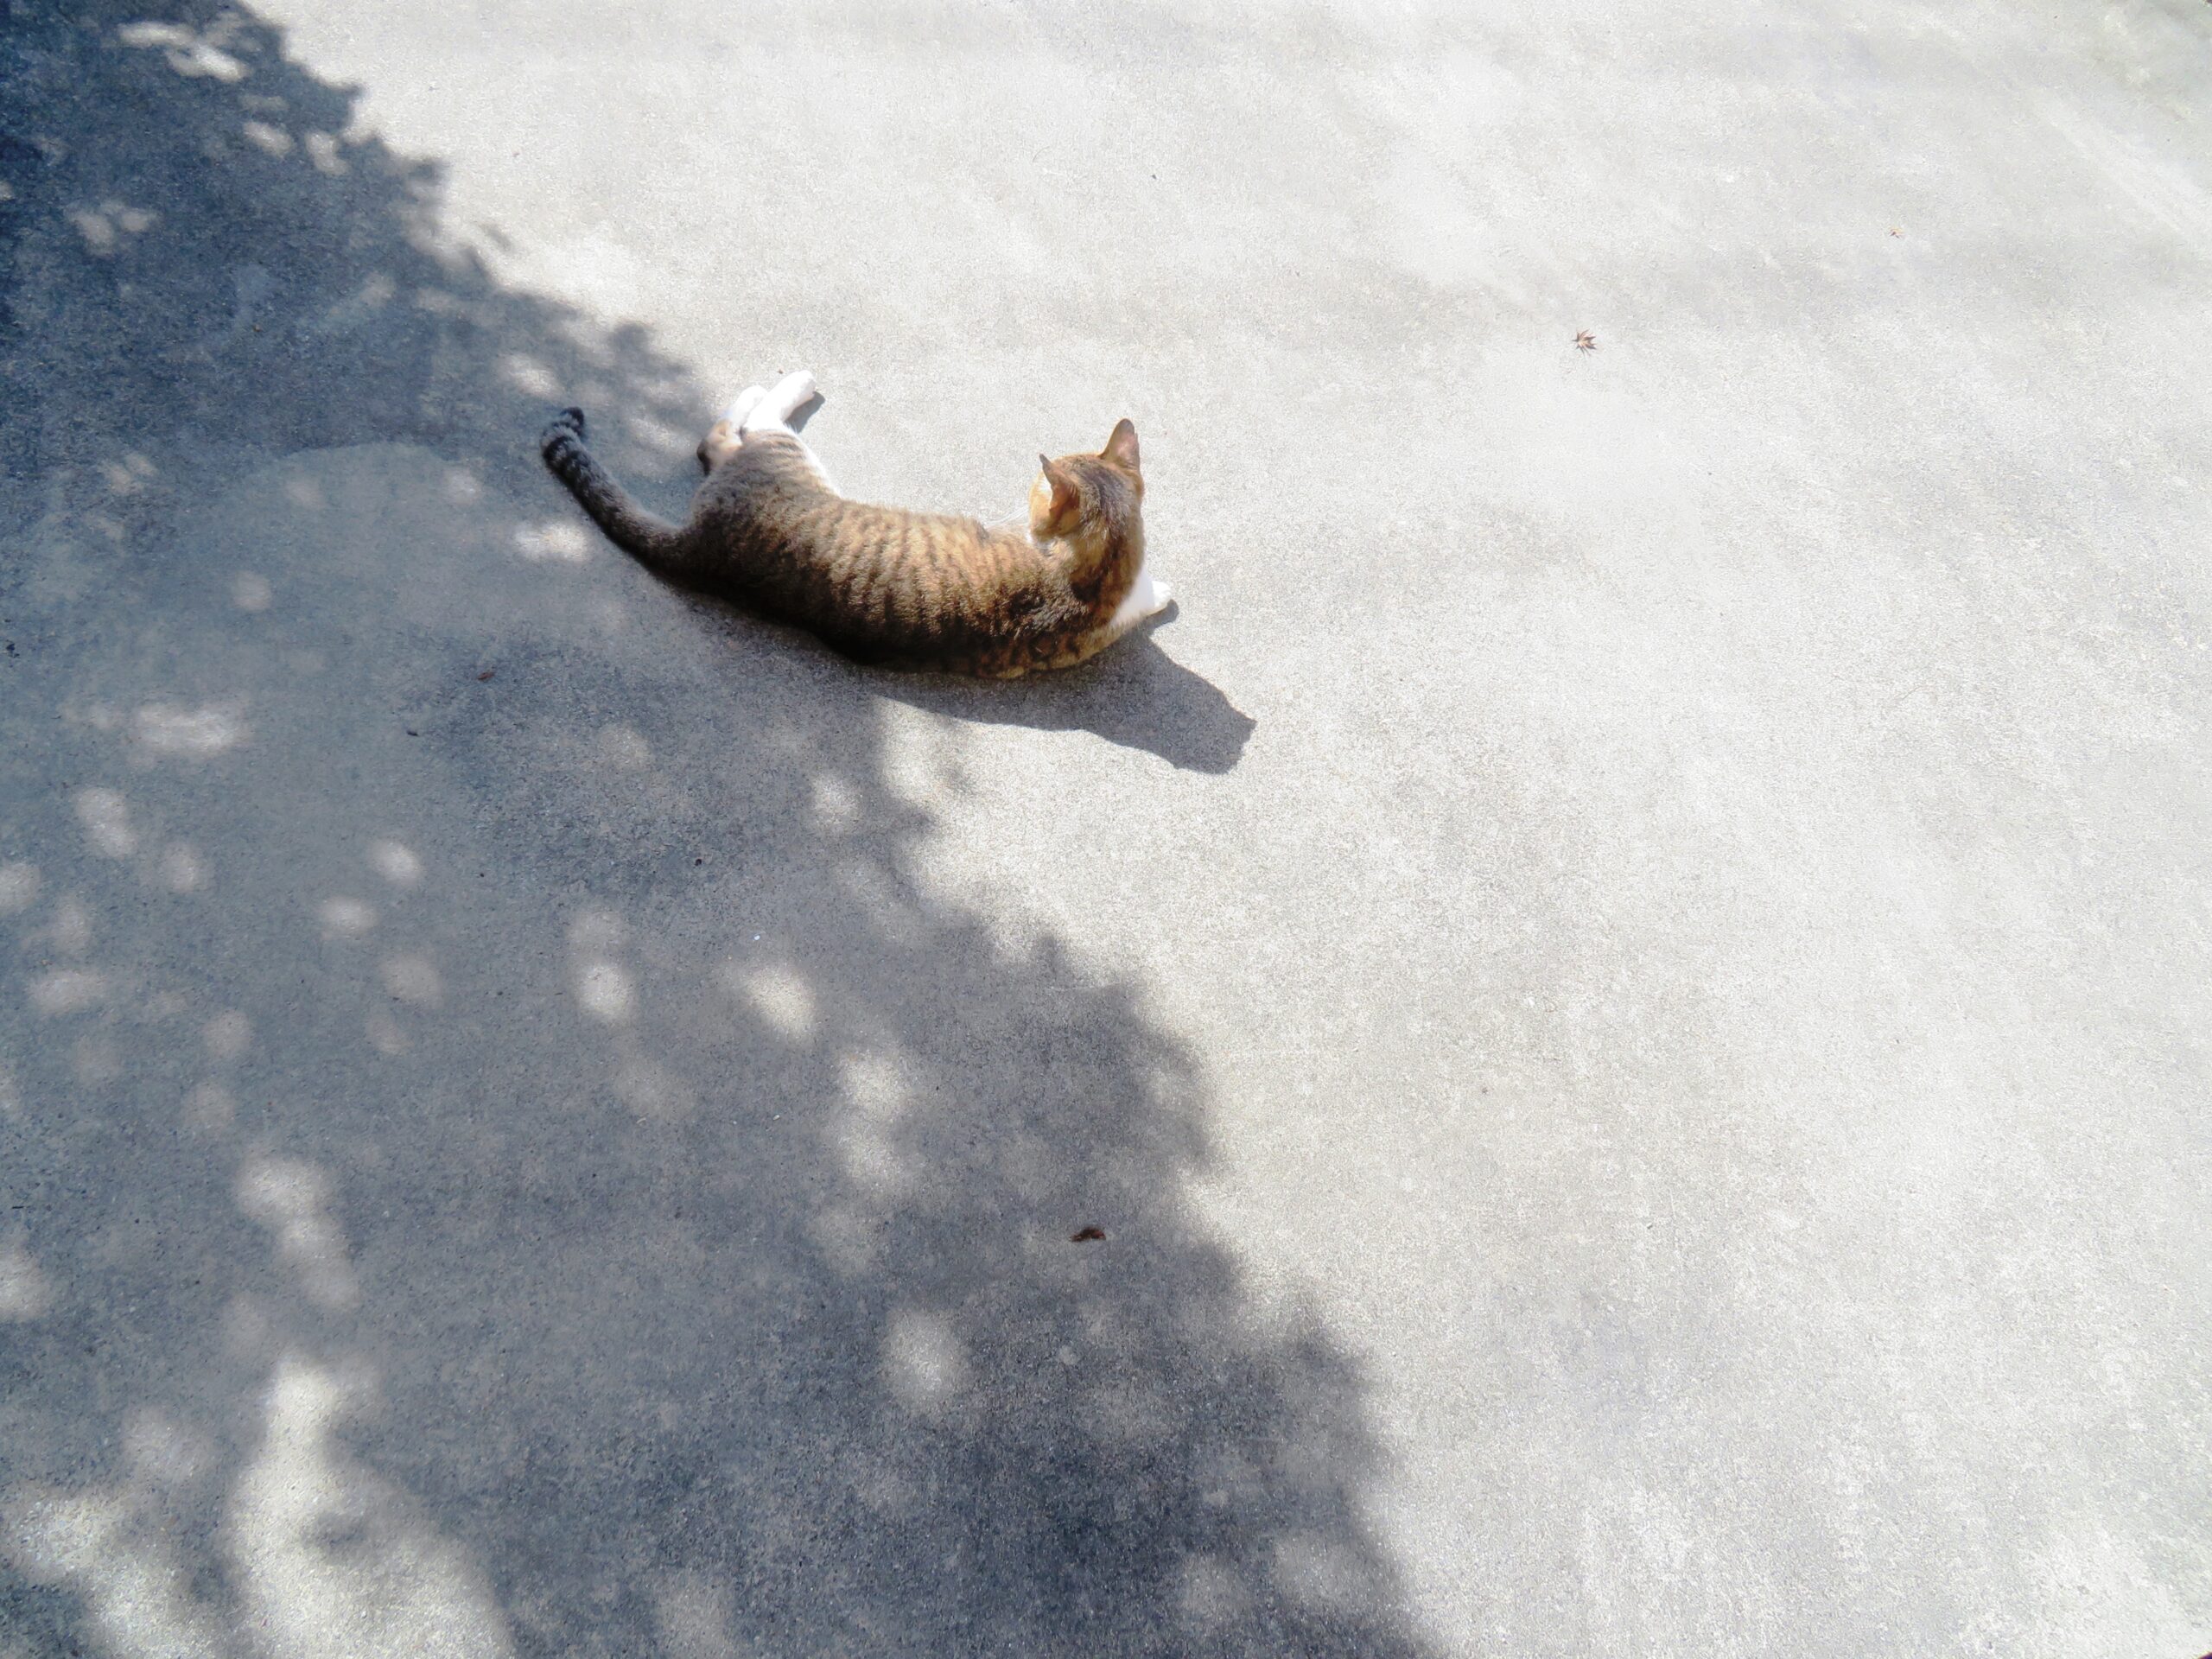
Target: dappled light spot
463, 487
11, 1097
181, 868
289, 1196
1316, 1571
694, 1611
346, 918
623, 747
25, 1291
190, 52
302, 490
68, 990
70, 932
129, 474
95, 1060
850, 1238
603, 991
924, 1365
119, 1562
188, 733
164, 1451
778, 994
210, 1108
1211, 1591
653, 1091
251, 592
836, 803
227, 1035
554, 542
384, 1034
323, 151
395, 862
596, 932
412, 979
876, 1086
18, 887
525, 373
106, 819
872, 1163
105, 227
269, 140
394, 1586
358, 308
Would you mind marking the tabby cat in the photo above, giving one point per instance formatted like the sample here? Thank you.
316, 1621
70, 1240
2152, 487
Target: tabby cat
879, 584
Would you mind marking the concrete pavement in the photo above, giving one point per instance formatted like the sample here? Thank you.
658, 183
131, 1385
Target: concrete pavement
1625, 980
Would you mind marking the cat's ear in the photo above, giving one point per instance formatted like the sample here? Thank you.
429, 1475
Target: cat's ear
1122, 448
1066, 500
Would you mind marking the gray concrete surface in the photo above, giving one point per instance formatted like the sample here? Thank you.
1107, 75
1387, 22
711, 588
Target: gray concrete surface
1627, 980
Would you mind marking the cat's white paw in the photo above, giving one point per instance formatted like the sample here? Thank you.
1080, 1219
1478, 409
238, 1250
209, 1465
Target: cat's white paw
743, 405
1162, 597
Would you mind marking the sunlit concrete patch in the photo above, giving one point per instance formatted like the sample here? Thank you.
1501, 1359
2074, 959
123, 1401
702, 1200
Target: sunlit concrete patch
210, 1108
601, 985
200, 733
101, 1546
396, 861
69, 930
876, 1086
107, 228
603, 991
18, 887
195, 53
291, 1197
653, 1091
68, 990
346, 918
1210, 1591
384, 1033
872, 1163
105, 816
623, 748
95, 1060
836, 803
1316, 1570
128, 474
227, 1035
555, 541
26, 1293
778, 994
181, 869
924, 1365
165, 1452
695, 1614
413, 979
251, 592
333, 1561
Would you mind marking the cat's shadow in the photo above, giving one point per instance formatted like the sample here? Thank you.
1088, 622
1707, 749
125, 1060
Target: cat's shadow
1133, 694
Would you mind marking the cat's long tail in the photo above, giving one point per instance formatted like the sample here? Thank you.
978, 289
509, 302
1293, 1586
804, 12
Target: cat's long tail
643, 534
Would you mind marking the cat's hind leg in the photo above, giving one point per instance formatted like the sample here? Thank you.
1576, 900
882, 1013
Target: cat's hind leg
743, 405
793, 393
773, 414
727, 435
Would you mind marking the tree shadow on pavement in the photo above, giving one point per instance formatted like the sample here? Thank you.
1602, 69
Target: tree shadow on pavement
500, 1153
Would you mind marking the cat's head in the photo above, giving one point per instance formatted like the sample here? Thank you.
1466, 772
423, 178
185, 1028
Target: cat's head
1088, 496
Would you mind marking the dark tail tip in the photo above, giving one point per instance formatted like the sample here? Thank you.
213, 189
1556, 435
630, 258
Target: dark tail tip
568, 423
